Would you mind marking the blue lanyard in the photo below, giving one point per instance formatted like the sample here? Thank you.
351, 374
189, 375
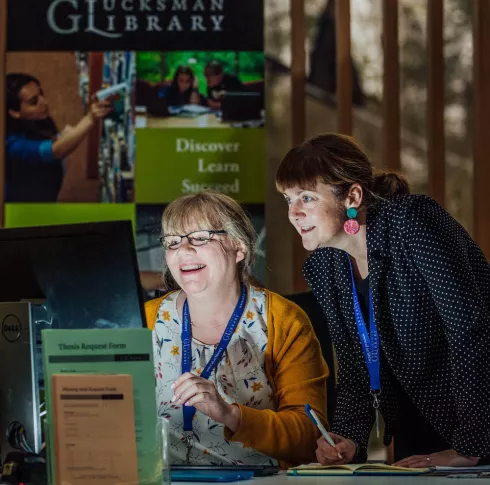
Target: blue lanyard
369, 342
189, 411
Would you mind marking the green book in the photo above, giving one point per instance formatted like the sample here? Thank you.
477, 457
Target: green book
114, 351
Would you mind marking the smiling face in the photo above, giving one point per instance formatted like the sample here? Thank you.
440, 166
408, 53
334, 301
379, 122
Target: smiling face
317, 215
197, 269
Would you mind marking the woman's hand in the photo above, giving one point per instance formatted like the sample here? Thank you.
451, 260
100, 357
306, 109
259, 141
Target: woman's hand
100, 109
441, 458
201, 393
328, 455
71, 137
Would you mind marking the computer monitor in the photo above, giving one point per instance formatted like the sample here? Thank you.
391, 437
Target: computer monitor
242, 106
86, 272
81, 276
74, 276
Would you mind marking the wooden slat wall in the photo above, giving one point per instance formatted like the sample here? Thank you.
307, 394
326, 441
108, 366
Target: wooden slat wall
298, 113
298, 71
436, 155
481, 129
3, 68
344, 66
391, 87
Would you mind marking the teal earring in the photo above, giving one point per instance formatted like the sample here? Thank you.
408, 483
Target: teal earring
351, 226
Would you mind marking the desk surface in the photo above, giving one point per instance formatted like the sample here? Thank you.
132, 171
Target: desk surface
352, 480
206, 120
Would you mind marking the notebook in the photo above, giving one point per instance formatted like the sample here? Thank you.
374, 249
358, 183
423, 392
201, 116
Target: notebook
457, 469
354, 469
481, 471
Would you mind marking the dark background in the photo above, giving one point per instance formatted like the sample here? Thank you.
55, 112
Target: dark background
28, 28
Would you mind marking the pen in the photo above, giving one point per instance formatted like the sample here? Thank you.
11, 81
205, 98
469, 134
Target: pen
312, 415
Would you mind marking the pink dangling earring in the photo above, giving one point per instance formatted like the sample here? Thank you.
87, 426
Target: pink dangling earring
351, 226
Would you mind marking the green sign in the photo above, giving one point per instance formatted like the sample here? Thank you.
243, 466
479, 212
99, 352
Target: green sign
26, 215
178, 161
114, 351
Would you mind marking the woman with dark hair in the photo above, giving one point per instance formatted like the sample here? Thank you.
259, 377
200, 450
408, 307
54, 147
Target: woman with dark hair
406, 293
182, 91
35, 149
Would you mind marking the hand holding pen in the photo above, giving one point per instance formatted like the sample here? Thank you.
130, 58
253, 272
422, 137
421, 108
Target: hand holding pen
332, 448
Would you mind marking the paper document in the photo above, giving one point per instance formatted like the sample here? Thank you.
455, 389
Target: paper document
94, 437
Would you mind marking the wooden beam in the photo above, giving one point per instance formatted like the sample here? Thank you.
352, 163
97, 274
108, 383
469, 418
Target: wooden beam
298, 118
481, 128
344, 66
391, 87
3, 70
298, 71
436, 101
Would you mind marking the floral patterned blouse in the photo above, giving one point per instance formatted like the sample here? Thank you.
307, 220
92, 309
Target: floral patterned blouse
239, 377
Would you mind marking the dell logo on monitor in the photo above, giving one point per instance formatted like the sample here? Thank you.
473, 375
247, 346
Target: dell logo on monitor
11, 328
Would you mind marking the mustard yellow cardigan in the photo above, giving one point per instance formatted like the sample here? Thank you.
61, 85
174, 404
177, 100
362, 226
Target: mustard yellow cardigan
297, 372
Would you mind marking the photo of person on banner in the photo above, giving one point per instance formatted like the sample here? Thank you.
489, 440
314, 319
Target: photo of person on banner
183, 90
200, 89
35, 148
70, 133
219, 83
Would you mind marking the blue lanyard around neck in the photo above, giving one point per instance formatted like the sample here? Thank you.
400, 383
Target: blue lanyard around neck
369, 342
186, 337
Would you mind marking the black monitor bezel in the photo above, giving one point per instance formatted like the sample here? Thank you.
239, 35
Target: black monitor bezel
123, 227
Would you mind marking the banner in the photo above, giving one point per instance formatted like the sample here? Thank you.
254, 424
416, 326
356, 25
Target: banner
116, 107
95, 25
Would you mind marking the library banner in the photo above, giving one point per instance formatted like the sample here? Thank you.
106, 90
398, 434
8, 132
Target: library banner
47, 25
116, 107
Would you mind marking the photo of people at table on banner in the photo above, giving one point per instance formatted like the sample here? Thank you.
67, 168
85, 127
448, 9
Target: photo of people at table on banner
199, 89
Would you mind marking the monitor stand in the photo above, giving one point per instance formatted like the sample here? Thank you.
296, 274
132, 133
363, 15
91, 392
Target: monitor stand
19, 387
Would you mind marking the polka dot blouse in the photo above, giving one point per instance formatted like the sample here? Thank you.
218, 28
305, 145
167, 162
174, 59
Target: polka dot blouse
431, 297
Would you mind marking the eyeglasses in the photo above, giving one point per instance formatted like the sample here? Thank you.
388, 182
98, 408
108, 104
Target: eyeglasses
197, 238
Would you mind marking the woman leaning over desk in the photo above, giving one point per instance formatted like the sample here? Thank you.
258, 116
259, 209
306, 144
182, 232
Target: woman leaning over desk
249, 398
406, 293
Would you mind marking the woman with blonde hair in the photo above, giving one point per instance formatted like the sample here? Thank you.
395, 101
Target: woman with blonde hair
235, 363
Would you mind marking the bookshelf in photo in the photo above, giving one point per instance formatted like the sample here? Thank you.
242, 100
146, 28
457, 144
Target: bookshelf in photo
111, 150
